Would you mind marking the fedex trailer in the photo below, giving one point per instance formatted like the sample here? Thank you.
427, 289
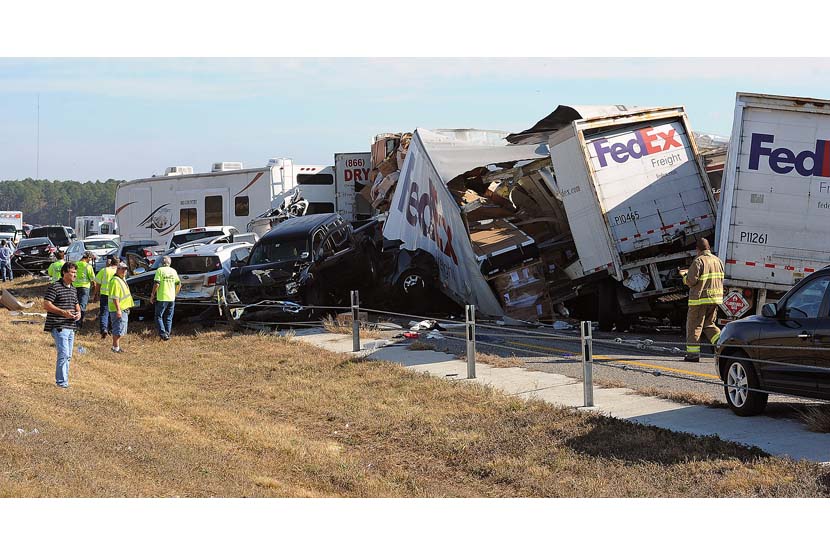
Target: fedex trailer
775, 201
229, 195
637, 198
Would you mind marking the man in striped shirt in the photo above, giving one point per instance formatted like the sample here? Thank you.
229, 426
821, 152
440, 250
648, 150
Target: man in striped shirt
62, 314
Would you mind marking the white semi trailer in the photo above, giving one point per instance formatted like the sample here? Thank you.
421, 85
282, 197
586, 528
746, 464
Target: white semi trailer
637, 197
775, 200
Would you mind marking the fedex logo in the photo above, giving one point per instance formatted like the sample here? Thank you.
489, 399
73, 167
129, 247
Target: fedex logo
422, 212
783, 161
645, 141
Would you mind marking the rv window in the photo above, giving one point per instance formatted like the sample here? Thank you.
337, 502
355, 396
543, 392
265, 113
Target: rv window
315, 179
241, 206
320, 208
187, 219
213, 210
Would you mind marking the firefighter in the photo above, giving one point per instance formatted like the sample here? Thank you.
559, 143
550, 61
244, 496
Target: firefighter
705, 281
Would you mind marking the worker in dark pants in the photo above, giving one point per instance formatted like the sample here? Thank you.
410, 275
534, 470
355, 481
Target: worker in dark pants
102, 290
705, 281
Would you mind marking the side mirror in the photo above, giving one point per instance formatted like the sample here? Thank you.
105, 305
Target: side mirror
770, 310
139, 270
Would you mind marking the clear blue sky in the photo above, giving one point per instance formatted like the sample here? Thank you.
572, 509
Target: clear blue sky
129, 118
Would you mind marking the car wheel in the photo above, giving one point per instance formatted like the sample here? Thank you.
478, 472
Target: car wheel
739, 380
413, 283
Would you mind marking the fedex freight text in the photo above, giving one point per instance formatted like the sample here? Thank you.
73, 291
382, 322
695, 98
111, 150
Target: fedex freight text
668, 161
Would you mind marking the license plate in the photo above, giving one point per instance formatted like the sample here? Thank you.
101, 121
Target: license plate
35, 251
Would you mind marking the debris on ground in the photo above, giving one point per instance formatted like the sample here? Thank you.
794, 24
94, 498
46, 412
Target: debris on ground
11, 303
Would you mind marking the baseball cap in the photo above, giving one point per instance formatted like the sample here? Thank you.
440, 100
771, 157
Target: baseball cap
122, 264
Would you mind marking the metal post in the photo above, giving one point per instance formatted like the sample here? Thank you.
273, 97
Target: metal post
587, 362
471, 341
355, 321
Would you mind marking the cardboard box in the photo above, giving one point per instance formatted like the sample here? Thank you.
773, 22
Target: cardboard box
383, 190
384, 145
540, 310
518, 277
389, 165
499, 246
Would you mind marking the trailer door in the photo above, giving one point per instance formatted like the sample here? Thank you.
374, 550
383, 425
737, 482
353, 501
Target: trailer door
649, 184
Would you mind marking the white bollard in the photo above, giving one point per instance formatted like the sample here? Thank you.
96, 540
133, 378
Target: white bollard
586, 336
471, 341
355, 321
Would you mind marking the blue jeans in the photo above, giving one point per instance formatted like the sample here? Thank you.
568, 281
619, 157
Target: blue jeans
105, 314
64, 341
164, 317
83, 300
6, 271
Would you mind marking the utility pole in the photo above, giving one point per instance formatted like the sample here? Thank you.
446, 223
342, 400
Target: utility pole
69, 211
37, 163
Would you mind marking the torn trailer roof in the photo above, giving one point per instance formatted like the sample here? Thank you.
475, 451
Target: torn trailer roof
426, 214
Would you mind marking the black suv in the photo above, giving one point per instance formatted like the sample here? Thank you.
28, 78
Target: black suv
307, 260
60, 236
780, 342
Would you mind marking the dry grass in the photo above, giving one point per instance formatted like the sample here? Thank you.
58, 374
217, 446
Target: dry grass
213, 414
690, 398
817, 418
367, 330
418, 345
497, 360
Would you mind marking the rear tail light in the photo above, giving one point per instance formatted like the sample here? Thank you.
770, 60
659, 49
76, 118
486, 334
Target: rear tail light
18, 253
211, 281
52, 249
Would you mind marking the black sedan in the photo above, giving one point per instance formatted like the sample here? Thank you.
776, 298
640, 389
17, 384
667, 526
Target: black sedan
777, 350
34, 254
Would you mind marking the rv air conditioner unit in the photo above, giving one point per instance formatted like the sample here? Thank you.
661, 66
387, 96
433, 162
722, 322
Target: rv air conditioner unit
178, 170
226, 166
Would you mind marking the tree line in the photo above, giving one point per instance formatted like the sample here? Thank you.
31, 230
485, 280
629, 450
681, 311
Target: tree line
45, 202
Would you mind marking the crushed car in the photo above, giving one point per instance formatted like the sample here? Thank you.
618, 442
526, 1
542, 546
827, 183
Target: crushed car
313, 260
307, 264
202, 269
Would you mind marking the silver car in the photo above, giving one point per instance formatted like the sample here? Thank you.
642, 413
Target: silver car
202, 268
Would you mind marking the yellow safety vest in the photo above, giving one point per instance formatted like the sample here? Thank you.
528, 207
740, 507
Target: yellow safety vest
85, 275
121, 291
55, 270
104, 277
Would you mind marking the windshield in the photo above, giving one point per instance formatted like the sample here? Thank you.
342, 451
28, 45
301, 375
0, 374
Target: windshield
7, 229
279, 251
57, 235
180, 239
100, 244
195, 264
30, 242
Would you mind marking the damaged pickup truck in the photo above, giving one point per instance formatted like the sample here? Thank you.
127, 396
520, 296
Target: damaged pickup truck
316, 260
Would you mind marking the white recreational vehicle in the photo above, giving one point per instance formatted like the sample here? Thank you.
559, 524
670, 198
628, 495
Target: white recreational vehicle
229, 195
